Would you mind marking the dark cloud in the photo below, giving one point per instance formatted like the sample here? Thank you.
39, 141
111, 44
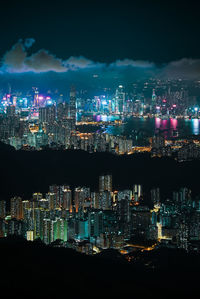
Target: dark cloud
13, 60
185, 68
42, 61
133, 63
76, 63
17, 60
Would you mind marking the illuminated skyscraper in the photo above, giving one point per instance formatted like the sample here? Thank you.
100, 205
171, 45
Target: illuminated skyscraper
25, 205
95, 200
51, 197
2, 209
46, 231
66, 201
105, 183
73, 105
59, 230
80, 196
137, 192
16, 208
153, 97
153, 101
119, 100
106, 200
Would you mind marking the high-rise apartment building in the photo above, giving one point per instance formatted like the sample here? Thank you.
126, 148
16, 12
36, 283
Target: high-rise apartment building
2, 209
47, 114
72, 104
105, 183
16, 208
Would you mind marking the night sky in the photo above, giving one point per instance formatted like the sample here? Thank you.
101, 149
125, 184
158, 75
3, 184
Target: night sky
104, 31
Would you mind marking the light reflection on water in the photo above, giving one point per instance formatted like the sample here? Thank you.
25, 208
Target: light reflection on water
104, 117
168, 127
195, 126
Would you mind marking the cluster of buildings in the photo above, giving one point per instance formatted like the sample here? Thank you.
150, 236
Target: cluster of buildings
54, 125
182, 150
152, 98
90, 221
37, 121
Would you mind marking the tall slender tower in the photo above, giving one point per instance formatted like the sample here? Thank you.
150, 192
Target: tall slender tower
120, 99
154, 97
72, 104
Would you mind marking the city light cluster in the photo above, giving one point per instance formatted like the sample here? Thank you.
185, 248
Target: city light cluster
90, 221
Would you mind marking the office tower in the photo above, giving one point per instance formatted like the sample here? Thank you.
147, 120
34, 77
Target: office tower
2, 209
154, 97
105, 183
16, 208
120, 100
36, 97
72, 104
47, 114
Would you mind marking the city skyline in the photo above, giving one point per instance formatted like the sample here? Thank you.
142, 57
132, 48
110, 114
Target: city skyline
100, 148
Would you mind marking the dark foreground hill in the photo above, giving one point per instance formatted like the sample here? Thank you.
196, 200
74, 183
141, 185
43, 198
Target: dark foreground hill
32, 270
25, 172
